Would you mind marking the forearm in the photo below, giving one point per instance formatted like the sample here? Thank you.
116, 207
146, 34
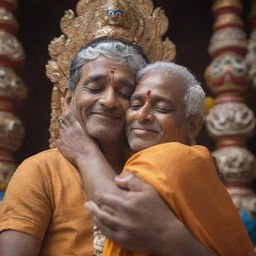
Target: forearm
97, 175
181, 242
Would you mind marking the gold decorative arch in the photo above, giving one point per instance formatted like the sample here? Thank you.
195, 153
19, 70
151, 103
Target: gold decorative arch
134, 21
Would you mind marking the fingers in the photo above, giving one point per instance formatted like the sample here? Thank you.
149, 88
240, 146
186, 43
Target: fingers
104, 220
131, 182
68, 119
110, 200
123, 180
108, 209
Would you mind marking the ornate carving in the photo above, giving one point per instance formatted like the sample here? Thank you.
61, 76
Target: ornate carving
11, 85
8, 21
251, 57
53, 72
231, 5
241, 196
237, 164
11, 131
10, 47
56, 46
12, 90
133, 21
56, 106
231, 118
230, 122
227, 72
228, 19
227, 39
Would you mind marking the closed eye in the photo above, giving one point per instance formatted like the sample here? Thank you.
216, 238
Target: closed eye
163, 110
123, 95
136, 106
93, 88
124, 92
94, 91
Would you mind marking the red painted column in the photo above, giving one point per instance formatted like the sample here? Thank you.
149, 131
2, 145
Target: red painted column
230, 122
12, 91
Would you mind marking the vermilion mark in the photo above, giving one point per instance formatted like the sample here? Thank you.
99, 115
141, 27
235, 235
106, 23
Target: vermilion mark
149, 94
113, 71
112, 74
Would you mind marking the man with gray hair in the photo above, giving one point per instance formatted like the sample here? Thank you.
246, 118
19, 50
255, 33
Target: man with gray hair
43, 210
162, 123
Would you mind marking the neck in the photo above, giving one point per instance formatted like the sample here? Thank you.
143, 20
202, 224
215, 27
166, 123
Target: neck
112, 152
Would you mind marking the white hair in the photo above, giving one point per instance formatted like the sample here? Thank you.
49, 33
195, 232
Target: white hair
194, 96
119, 51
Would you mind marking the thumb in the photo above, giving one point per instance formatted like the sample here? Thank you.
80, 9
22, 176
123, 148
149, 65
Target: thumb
130, 182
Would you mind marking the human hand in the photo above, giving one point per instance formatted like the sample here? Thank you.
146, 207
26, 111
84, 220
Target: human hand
73, 141
139, 221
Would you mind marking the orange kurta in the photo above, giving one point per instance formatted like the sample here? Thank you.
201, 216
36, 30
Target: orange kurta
45, 198
186, 178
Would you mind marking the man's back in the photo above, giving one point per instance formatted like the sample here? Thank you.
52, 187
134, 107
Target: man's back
45, 199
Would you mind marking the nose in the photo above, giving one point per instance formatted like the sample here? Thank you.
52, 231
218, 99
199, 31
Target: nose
108, 98
144, 113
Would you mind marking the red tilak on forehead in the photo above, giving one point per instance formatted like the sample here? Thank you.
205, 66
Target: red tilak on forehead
112, 74
149, 93
113, 71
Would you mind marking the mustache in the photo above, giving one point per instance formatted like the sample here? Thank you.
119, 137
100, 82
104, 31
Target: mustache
98, 109
143, 126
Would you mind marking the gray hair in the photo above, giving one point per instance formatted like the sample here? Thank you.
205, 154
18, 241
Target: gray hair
194, 98
123, 53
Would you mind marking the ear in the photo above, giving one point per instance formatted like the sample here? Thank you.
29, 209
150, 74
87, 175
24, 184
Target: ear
195, 125
68, 99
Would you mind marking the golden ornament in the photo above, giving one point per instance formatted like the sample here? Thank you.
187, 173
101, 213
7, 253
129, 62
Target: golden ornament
134, 21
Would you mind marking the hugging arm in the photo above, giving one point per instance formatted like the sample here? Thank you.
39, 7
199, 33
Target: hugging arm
125, 209
143, 222
81, 150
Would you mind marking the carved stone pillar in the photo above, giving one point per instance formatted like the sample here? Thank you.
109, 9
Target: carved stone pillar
230, 123
12, 91
251, 55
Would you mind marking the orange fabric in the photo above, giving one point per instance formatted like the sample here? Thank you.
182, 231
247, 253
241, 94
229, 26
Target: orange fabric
45, 199
186, 179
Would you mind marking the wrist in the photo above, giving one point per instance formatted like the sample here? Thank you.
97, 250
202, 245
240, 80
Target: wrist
85, 155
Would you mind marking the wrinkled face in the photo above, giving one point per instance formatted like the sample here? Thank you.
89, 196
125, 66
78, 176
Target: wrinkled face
101, 98
156, 113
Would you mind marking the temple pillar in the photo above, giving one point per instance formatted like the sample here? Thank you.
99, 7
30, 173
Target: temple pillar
230, 122
12, 91
251, 55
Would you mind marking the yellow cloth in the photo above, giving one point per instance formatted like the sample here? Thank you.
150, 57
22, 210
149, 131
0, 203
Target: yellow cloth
186, 179
45, 199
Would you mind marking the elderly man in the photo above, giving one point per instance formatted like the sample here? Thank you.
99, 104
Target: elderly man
43, 211
166, 107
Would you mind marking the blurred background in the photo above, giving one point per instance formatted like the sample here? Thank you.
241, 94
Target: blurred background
190, 29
